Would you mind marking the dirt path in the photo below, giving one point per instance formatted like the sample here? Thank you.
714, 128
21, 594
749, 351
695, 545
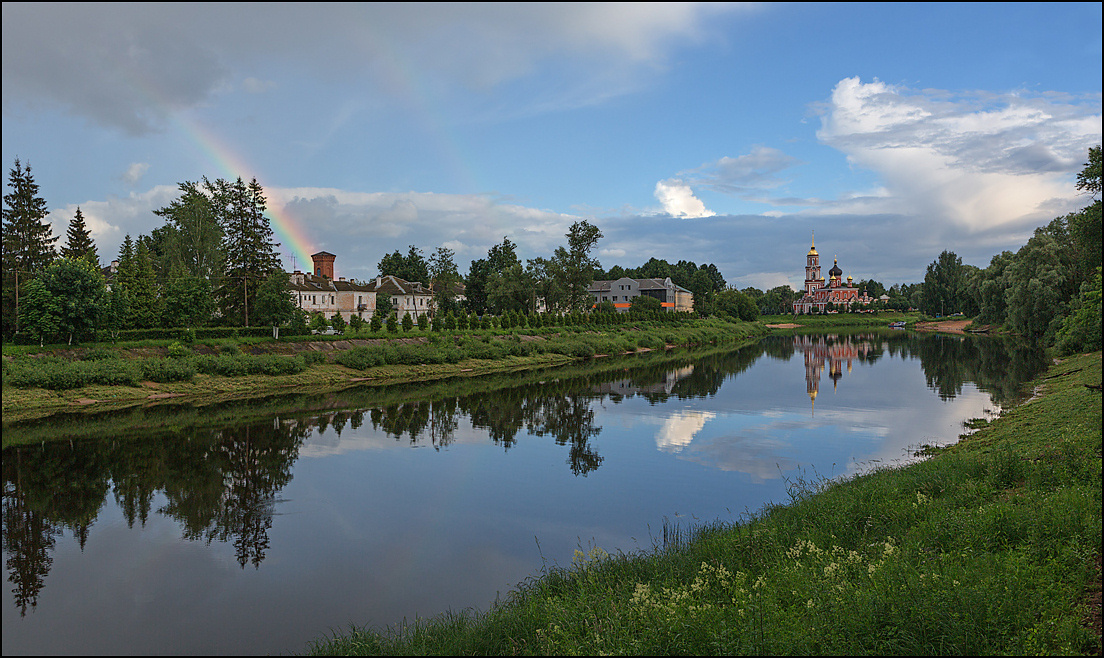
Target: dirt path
944, 326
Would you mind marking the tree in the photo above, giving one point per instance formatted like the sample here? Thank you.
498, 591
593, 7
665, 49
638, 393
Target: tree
189, 300
28, 240
1080, 332
193, 233
147, 305
944, 285
701, 286
736, 304
28, 237
412, 267
274, 304
251, 255
65, 301
79, 242
337, 321
572, 269
644, 303
510, 290
318, 322
1037, 292
500, 258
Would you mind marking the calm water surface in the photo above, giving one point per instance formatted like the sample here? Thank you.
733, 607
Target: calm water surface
256, 528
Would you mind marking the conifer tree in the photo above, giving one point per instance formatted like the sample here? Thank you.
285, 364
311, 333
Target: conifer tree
28, 240
247, 243
79, 242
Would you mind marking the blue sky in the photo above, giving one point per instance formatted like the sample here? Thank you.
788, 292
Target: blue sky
719, 133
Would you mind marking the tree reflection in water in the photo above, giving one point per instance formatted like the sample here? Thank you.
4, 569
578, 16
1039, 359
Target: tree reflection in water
221, 483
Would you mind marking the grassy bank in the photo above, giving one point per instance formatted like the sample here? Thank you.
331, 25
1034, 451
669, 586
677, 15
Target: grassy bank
991, 546
103, 378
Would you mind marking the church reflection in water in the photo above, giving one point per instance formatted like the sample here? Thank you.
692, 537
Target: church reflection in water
833, 351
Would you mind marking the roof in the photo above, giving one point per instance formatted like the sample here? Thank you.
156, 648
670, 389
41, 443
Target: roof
393, 285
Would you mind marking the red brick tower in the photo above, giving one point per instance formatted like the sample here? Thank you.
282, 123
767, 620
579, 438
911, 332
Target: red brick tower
323, 264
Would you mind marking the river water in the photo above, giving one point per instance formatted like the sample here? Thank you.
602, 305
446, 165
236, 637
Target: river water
256, 527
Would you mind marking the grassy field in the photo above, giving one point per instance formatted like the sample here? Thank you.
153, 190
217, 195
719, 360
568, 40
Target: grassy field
990, 546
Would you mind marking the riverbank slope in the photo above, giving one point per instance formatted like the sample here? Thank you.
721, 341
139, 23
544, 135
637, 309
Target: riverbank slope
101, 378
990, 546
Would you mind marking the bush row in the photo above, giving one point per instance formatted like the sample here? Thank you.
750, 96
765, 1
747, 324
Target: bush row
59, 374
574, 345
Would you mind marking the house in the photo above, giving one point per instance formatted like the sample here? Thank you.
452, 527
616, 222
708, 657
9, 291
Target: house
407, 297
621, 292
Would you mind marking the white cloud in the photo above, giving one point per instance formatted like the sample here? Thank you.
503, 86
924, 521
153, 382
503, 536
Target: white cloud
679, 430
973, 161
134, 173
678, 199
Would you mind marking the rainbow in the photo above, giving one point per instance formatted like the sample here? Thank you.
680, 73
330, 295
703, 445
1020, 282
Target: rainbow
294, 241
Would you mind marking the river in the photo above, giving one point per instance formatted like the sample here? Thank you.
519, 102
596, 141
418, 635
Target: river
256, 527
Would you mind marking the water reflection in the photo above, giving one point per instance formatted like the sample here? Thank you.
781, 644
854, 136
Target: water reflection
218, 472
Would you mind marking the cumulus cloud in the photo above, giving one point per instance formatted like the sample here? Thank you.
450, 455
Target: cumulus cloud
360, 227
134, 173
110, 220
973, 160
678, 199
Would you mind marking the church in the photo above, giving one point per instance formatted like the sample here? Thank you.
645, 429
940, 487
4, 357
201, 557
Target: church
819, 294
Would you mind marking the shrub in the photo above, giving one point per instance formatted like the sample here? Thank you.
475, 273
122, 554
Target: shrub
310, 358
178, 351
167, 370
362, 358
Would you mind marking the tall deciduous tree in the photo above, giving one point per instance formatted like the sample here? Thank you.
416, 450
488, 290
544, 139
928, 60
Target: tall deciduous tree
944, 285
78, 241
65, 301
572, 268
275, 306
411, 267
193, 233
443, 279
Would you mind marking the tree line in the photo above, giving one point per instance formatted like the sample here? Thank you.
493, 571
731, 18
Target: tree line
1048, 291
212, 263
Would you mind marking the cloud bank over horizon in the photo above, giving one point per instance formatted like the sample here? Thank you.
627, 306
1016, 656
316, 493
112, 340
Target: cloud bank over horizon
381, 126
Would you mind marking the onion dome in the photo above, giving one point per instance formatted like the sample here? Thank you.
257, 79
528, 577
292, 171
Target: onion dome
835, 272
812, 249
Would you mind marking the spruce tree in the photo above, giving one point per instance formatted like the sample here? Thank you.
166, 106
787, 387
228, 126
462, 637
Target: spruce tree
28, 240
79, 242
251, 255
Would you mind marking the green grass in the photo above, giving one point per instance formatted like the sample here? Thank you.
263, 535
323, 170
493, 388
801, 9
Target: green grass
96, 378
989, 546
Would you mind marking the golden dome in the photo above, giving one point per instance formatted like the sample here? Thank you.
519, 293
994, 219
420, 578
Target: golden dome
812, 249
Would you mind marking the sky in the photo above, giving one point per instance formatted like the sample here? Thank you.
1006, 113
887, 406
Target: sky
714, 133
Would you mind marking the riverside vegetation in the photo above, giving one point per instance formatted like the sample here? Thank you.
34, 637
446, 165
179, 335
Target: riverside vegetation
989, 546
37, 384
